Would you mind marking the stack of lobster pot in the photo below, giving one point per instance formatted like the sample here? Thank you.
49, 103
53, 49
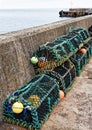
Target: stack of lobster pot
56, 65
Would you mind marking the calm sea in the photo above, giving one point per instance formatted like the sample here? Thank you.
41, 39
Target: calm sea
13, 20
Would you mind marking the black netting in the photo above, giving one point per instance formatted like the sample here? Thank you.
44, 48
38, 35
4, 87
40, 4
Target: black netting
38, 99
79, 59
82, 33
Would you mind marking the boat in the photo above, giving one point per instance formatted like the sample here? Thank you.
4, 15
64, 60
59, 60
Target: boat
75, 12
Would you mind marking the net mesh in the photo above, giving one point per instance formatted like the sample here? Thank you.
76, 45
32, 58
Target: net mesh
38, 97
58, 51
80, 59
64, 75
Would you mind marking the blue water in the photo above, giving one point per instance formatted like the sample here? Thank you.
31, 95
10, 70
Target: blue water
13, 20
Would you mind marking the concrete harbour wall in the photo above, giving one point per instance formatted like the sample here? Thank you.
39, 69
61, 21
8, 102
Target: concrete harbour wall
17, 47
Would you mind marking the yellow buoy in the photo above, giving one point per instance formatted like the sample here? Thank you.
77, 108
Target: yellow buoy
17, 107
34, 99
34, 60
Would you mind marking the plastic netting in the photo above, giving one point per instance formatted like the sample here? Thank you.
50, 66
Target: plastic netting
38, 97
79, 59
82, 33
64, 75
74, 39
62, 48
55, 52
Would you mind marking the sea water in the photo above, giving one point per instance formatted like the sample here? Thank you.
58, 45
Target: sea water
13, 20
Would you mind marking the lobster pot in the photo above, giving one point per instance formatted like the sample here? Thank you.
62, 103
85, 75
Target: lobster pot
58, 51
38, 97
64, 75
56, 76
79, 59
82, 33
67, 73
55, 53
61, 49
74, 39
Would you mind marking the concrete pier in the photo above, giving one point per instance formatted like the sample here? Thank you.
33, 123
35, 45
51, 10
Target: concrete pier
17, 47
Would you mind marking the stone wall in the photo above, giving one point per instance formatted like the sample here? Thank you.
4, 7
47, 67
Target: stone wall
17, 47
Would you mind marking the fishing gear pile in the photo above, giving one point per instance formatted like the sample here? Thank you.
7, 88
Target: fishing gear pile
56, 65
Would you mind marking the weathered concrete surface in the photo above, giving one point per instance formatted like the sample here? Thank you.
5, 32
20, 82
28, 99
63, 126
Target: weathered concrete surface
17, 47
